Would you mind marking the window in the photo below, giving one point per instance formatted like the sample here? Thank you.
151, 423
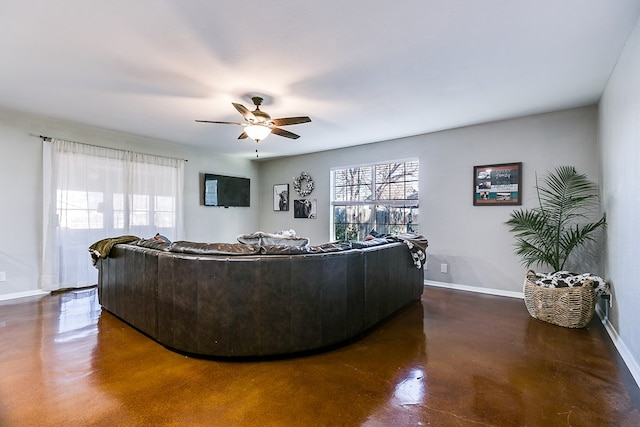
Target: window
383, 197
79, 209
91, 193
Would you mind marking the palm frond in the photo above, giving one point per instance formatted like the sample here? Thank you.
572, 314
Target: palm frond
549, 233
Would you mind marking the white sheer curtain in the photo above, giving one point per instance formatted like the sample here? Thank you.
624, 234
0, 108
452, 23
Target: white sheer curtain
91, 193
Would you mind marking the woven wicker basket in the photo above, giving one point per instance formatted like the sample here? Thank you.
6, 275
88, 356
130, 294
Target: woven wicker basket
569, 307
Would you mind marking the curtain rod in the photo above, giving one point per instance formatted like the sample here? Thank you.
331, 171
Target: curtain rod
48, 139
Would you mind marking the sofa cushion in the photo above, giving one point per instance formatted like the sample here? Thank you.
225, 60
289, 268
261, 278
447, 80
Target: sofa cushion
282, 250
296, 250
330, 247
359, 244
152, 244
262, 239
213, 248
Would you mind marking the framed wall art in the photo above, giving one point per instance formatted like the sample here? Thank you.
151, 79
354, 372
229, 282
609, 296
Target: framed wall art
281, 197
305, 208
498, 184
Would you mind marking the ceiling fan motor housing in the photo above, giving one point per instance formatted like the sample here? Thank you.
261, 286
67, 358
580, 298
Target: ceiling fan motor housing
261, 116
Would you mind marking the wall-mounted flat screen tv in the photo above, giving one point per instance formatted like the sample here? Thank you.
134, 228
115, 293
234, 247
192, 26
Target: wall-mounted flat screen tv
226, 191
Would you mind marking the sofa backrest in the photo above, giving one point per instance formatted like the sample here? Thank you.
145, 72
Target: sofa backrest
207, 302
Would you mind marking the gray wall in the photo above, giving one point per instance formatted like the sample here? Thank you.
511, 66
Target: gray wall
21, 175
472, 240
620, 146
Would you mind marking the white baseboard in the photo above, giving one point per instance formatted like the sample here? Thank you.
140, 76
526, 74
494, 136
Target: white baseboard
624, 352
490, 291
16, 295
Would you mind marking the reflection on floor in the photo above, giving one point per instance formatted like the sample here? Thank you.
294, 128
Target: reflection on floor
452, 359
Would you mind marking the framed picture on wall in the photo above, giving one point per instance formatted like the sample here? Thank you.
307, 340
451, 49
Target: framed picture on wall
305, 208
498, 184
281, 197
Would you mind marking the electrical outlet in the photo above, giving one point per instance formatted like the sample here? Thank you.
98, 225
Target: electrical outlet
444, 268
3, 276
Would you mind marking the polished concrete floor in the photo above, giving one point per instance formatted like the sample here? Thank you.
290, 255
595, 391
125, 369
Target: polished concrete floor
452, 359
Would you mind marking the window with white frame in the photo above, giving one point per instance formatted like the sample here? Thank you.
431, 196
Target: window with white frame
383, 197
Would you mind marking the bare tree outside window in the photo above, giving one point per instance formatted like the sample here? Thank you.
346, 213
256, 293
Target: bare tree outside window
382, 197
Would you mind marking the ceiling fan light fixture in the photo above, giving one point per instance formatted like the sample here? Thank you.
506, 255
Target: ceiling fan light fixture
257, 132
258, 124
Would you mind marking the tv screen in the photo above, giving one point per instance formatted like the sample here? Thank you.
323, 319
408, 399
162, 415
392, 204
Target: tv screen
221, 190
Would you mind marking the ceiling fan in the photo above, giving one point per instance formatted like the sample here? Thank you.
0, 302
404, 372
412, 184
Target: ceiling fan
258, 124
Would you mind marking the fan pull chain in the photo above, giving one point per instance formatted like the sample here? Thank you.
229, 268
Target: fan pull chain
256, 154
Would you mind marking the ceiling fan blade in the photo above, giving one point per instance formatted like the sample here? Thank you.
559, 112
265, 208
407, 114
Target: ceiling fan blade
222, 123
290, 121
243, 135
248, 115
285, 133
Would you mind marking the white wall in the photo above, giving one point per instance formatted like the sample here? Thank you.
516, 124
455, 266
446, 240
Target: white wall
21, 177
620, 146
472, 240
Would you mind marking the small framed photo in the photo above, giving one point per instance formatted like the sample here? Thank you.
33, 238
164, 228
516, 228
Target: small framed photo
499, 184
305, 208
281, 197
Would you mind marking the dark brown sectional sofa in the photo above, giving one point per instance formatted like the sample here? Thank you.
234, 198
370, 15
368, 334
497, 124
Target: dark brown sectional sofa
236, 300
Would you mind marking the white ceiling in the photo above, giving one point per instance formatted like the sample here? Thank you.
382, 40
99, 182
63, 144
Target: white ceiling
364, 71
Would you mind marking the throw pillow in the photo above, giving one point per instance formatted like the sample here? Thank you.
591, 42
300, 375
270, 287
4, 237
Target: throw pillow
161, 238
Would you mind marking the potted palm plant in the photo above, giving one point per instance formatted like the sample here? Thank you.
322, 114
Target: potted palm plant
547, 235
